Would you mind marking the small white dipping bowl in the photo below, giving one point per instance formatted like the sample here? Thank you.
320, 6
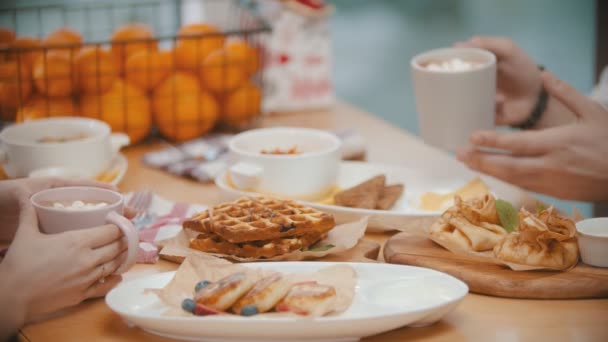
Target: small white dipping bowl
593, 241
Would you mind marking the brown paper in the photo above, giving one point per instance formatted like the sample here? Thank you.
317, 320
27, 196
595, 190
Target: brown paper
196, 268
343, 237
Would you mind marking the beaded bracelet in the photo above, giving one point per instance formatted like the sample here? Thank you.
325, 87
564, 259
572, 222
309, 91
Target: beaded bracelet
539, 108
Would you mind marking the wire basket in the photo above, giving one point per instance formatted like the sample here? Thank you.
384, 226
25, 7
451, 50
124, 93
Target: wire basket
135, 65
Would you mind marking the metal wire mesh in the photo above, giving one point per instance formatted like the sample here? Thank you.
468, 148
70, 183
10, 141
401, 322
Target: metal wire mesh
134, 65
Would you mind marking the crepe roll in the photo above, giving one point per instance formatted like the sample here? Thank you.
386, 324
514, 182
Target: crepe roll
264, 295
309, 299
221, 295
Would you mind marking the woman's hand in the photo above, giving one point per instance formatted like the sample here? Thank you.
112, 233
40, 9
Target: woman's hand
45, 273
11, 189
518, 84
569, 162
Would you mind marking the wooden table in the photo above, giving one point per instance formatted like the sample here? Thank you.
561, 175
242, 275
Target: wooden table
478, 318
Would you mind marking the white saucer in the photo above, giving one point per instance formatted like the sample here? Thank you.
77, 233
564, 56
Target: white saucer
387, 297
120, 164
405, 212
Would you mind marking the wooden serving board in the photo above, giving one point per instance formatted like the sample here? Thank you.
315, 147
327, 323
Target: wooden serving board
487, 278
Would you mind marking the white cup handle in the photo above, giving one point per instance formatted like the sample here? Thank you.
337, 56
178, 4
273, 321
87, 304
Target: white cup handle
132, 239
246, 176
118, 141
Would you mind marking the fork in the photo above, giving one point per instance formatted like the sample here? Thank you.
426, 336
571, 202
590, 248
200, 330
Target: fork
140, 203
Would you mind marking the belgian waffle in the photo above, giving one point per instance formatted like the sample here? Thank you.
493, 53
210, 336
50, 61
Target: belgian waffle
212, 243
260, 219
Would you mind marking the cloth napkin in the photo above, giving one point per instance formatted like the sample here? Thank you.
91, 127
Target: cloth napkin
164, 221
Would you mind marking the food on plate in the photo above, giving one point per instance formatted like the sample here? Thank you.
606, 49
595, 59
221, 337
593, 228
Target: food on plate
53, 74
371, 194
472, 225
309, 298
258, 227
389, 196
96, 70
546, 239
124, 107
264, 295
438, 202
222, 294
292, 150
129, 39
182, 109
242, 105
38, 107
194, 43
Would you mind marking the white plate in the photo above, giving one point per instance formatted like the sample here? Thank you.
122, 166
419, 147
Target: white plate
120, 162
387, 297
405, 211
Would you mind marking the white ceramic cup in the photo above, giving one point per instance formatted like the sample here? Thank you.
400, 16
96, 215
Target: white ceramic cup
593, 241
309, 175
453, 104
56, 220
22, 155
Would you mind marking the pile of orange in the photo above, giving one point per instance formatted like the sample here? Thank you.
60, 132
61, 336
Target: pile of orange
206, 78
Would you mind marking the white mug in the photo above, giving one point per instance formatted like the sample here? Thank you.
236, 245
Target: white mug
452, 104
23, 154
56, 220
310, 174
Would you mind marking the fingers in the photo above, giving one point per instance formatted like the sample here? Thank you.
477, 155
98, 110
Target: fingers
103, 270
501, 47
99, 289
110, 251
97, 236
28, 219
568, 95
515, 170
519, 143
129, 212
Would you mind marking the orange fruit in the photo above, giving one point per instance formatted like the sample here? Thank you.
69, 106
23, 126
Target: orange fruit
182, 110
220, 73
6, 35
125, 42
124, 107
15, 84
146, 69
64, 36
25, 50
243, 54
96, 70
191, 52
39, 107
53, 74
242, 105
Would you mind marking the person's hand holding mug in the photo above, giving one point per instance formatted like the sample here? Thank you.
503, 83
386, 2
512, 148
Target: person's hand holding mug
567, 161
518, 84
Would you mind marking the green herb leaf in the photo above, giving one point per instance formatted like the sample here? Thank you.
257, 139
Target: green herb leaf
507, 215
540, 207
321, 248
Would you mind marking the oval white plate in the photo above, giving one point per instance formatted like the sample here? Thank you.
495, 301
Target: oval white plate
387, 297
119, 162
405, 211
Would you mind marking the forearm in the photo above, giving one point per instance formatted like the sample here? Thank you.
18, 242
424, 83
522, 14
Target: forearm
12, 315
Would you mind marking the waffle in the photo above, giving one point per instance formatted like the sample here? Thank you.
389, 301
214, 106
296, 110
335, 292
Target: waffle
261, 219
212, 243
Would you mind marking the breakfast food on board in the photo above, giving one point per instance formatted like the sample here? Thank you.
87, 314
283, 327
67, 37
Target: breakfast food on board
471, 225
432, 201
546, 240
371, 194
258, 227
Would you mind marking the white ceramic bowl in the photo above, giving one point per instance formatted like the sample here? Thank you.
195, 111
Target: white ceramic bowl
593, 241
22, 154
310, 174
